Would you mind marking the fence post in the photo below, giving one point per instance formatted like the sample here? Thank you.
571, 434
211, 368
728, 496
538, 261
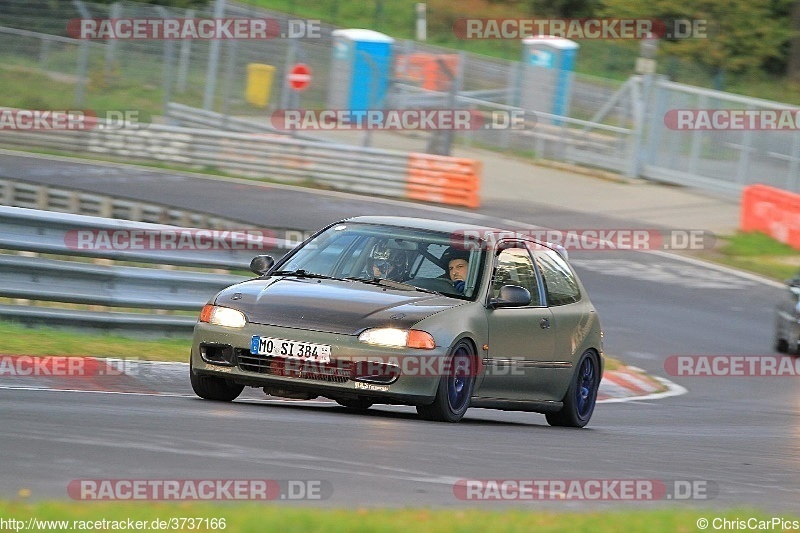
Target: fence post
694, 153
638, 108
184, 54
744, 156
83, 59
213, 60
169, 45
286, 91
230, 60
111, 44
792, 185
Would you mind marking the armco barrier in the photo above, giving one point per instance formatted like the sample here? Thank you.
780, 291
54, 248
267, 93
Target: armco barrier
446, 180
262, 155
772, 211
167, 300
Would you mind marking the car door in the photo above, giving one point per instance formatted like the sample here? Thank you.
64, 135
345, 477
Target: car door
521, 339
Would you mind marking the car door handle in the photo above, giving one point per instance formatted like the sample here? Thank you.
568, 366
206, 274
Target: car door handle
544, 323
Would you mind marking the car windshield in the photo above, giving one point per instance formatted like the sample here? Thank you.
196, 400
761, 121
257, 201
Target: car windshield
369, 252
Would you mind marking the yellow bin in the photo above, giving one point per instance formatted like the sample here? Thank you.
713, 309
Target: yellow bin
259, 83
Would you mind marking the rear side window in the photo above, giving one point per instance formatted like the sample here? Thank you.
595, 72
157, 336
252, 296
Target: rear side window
560, 284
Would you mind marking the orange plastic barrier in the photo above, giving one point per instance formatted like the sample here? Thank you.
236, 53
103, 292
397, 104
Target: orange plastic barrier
426, 70
444, 180
772, 211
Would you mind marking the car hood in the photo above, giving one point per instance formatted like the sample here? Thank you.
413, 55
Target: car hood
335, 306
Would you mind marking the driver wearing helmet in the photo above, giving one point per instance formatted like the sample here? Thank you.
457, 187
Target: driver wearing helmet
388, 263
456, 263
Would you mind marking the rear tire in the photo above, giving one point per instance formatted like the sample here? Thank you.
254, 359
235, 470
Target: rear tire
211, 388
581, 396
455, 389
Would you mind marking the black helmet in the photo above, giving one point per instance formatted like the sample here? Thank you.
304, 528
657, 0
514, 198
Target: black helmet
391, 262
453, 253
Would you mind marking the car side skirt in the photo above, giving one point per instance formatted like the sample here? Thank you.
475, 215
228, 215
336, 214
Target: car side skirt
516, 405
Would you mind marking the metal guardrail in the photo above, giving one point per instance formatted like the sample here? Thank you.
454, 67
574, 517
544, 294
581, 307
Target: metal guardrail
260, 155
195, 117
15, 193
344, 167
153, 292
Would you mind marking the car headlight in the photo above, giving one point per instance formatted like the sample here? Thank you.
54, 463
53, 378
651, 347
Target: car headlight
222, 316
398, 338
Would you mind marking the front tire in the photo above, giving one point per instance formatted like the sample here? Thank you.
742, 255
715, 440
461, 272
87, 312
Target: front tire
455, 388
211, 388
581, 396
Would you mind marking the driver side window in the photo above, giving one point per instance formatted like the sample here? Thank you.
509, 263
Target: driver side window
515, 267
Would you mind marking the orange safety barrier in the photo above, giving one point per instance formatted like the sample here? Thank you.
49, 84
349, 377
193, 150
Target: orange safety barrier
426, 70
443, 179
772, 211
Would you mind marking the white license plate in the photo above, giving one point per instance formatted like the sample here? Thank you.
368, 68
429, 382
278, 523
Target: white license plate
306, 351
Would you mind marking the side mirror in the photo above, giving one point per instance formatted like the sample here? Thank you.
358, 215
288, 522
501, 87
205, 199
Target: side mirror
511, 296
261, 264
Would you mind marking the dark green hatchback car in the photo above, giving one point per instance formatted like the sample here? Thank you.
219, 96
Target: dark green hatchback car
389, 310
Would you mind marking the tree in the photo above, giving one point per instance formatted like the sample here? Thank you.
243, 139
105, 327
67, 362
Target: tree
793, 63
741, 34
562, 8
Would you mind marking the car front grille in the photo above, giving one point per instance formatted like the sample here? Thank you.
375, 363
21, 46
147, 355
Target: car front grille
334, 372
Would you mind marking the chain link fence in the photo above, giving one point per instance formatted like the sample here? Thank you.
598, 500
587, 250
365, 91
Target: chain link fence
612, 125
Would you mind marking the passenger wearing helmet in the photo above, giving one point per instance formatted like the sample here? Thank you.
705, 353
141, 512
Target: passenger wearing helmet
457, 263
388, 263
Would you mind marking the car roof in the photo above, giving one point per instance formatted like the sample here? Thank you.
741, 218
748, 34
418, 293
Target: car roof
449, 226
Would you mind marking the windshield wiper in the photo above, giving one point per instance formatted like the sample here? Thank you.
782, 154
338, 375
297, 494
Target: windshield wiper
383, 282
301, 274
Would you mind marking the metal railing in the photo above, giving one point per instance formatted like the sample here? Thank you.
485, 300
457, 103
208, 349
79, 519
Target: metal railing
147, 299
15, 193
340, 166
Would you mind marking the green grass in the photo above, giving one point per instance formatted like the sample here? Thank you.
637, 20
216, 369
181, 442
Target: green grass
21, 340
18, 85
243, 518
758, 253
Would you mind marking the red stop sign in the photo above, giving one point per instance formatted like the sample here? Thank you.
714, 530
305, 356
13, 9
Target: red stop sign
299, 77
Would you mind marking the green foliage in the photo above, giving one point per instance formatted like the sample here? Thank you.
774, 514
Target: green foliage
741, 35
563, 8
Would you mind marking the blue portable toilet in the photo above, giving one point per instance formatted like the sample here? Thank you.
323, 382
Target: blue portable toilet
360, 69
548, 71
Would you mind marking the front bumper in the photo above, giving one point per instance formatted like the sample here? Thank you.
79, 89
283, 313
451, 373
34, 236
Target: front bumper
382, 374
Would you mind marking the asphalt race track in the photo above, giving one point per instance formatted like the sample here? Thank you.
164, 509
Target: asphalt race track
738, 436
